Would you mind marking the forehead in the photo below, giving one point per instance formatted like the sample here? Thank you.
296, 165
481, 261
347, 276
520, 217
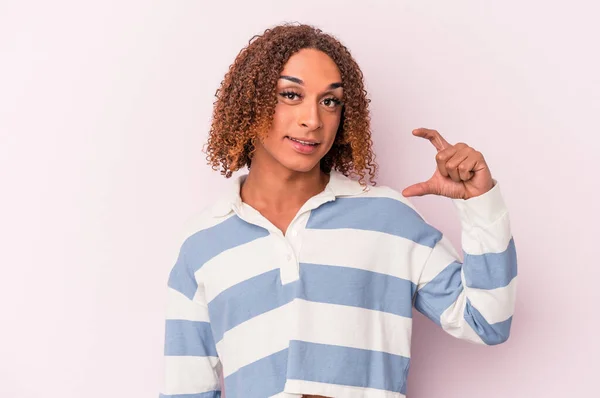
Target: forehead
312, 66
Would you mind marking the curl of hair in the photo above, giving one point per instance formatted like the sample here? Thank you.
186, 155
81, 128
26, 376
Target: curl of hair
246, 99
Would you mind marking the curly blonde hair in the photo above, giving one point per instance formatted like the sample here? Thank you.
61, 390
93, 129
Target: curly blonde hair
246, 99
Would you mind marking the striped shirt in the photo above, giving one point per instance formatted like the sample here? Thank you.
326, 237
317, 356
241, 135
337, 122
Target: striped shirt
326, 309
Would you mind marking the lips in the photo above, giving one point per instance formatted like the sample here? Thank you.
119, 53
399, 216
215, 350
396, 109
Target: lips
305, 147
304, 142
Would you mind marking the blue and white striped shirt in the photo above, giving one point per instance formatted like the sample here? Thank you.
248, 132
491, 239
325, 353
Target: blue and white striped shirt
326, 308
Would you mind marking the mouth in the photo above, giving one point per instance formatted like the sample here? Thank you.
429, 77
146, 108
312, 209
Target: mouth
305, 147
304, 142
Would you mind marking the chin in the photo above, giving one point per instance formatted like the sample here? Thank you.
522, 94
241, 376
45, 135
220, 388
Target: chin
302, 166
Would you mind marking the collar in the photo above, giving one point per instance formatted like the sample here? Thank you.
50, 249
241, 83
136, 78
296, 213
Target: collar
338, 185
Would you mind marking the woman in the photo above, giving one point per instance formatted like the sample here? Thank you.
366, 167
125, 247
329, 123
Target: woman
301, 281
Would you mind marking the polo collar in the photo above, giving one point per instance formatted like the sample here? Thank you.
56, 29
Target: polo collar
338, 185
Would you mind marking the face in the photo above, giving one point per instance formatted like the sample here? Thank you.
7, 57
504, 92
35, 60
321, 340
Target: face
307, 114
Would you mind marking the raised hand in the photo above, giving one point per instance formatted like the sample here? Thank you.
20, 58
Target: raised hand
461, 171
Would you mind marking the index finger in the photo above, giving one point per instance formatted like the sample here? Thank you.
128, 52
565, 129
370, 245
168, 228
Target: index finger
434, 137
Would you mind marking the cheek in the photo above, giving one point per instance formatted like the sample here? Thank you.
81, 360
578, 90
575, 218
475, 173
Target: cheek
331, 123
281, 120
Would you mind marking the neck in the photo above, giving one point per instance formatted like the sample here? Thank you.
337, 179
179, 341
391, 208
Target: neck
280, 189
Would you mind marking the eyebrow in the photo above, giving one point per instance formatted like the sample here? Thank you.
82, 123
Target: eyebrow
332, 86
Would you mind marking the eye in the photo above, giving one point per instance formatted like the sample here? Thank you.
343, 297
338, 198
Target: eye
331, 102
289, 95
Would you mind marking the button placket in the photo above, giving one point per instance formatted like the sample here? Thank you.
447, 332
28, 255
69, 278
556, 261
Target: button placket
288, 269
293, 243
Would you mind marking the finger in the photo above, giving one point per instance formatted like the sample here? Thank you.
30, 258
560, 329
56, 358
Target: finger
471, 165
441, 158
457, 159
419, 189
465, 169
444, 156
433, 136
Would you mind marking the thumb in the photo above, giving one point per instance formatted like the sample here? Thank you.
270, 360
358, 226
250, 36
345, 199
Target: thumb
418, 189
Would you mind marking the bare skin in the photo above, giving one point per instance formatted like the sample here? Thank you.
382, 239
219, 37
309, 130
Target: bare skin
284, 172
461, 172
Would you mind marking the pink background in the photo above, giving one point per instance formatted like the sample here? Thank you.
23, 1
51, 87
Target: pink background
104, 109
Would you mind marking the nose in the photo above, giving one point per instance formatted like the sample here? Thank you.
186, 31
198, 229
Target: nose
309, 117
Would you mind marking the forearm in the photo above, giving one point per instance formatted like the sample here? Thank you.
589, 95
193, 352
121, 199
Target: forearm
473, 299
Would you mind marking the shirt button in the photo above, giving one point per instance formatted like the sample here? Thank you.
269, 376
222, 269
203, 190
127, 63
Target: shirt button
294, 233
288, 257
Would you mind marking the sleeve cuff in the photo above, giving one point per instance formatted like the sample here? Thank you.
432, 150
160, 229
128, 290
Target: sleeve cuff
483, 210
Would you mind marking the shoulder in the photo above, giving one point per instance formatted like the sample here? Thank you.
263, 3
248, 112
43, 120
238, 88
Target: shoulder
386, 196
204, 221
370, 207
376, 208
349, 188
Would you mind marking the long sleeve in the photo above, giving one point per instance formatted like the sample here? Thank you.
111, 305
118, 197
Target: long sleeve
192, 367
474, 299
